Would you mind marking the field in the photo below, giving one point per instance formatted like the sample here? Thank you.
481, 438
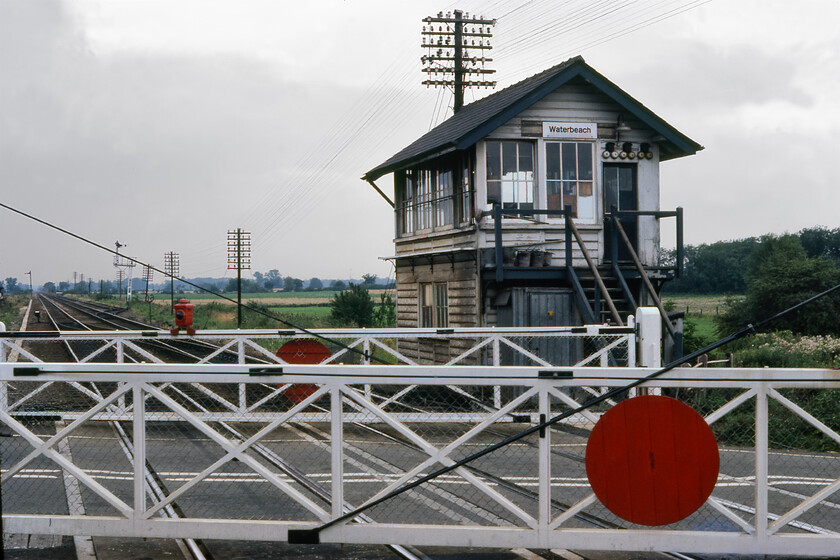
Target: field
305, 309
700, 312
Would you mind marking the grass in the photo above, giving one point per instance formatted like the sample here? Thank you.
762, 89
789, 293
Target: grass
11, 311
325, 295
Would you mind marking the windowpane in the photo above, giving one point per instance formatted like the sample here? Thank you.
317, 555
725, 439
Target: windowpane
494, 161
555, 201
552, 161
584, 162
569, 177
526, 157
508, 158
569, 162
610, 188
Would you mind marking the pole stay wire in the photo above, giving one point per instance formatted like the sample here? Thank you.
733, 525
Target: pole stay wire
202, 288
311, 536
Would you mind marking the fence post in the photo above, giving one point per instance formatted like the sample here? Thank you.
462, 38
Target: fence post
544, 492
761, 456
497, 361
650, 343
139, 444
337, 450
243, 391
366, 361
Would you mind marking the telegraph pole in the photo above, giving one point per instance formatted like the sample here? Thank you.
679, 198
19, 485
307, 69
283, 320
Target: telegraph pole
448, 41
239, 258
148, 274
171, 267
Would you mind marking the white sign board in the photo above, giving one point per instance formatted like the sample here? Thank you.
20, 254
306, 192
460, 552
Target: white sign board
587, 130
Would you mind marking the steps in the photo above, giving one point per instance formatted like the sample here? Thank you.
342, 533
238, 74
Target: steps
601, 308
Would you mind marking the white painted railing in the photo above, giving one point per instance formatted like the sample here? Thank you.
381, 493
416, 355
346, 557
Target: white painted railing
590, 345
285, 464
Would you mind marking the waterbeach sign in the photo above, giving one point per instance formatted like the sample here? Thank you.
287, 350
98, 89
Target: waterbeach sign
570, 130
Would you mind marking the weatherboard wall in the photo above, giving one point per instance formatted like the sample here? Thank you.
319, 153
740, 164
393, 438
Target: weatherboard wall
576, 102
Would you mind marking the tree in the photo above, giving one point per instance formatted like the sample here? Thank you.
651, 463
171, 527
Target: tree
273, 279
716, 268
368, 280
315, 284
292, 284
63, 286
11, 285
338, 285
352, 306
779, 275
259, 278
49, 287
385, 314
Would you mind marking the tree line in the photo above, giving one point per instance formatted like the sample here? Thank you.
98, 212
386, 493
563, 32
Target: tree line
772, 273
722, 267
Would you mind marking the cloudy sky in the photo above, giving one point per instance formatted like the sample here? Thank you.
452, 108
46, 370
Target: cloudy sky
164, 123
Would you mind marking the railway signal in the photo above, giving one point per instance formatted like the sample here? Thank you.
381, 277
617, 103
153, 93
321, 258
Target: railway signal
121, 263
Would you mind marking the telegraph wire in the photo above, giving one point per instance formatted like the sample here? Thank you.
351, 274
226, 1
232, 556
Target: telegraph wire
306, 534
196, 286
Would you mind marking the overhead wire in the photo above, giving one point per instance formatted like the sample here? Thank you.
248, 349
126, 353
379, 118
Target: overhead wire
192, 284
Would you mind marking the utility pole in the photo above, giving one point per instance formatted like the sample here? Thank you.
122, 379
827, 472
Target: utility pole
238, 258
448, 41
120, 276
171, 267
30, 283
148, 274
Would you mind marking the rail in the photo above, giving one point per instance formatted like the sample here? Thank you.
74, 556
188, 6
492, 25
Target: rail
358, 435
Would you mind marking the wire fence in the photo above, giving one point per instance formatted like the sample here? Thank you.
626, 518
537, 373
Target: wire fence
133, 447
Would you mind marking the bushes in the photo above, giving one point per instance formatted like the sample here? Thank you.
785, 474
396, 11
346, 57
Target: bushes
780, 275
787, 350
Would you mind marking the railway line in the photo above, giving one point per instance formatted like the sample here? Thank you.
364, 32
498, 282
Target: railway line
60, 314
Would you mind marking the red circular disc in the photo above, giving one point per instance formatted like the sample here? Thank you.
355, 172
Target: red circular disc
302, 351
652, 460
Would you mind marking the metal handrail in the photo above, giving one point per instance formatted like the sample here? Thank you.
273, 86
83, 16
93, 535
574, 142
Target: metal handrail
664, 314
570, 227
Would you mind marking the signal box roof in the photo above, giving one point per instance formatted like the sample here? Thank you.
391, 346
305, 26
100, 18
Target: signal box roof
478, 119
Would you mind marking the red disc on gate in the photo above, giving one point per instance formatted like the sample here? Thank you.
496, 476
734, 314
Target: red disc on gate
652, 460
302, 351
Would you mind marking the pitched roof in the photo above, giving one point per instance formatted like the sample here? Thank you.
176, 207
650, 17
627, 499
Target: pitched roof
474, 121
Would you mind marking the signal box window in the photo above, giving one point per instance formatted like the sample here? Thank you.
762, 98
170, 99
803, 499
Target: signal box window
434, 305
569, 171
510, 174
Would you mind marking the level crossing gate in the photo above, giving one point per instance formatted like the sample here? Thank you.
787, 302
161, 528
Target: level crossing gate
220, 451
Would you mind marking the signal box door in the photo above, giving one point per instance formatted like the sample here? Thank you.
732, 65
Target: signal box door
620, 190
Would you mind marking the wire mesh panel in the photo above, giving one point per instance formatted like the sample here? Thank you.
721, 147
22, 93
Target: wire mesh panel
230, 450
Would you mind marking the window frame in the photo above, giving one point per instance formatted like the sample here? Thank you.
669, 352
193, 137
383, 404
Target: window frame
435, 197
593, 180
433, 314
516, 181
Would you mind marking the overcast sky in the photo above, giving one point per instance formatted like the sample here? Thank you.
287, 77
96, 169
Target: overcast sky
164, 123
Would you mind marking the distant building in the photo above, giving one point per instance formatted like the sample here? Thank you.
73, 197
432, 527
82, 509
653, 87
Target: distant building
482, 200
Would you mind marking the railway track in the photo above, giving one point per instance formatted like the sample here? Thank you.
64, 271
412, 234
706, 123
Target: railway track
62, 314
